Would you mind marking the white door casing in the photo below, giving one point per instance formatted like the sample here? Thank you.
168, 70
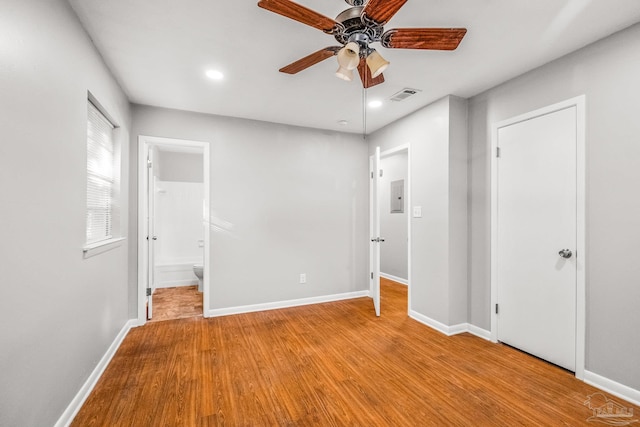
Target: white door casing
537, 211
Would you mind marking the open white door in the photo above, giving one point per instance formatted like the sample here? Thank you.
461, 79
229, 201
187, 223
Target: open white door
151, 236
374, 229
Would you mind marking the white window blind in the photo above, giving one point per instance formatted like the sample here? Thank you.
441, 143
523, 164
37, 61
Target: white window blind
100, 176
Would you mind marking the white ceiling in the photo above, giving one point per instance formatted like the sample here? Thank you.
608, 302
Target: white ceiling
159, 51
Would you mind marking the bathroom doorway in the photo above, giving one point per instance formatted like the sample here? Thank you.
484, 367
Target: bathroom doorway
173, 229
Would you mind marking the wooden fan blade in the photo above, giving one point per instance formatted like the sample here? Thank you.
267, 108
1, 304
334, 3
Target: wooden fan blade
423, 38
300, 13
382, 11
309, 60
365, 75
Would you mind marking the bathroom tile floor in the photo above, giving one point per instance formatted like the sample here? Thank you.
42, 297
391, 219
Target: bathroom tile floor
176, 303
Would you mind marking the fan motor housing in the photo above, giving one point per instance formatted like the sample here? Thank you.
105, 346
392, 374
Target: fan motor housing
353, 24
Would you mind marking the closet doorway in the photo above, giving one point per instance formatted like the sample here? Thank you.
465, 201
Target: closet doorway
390, 225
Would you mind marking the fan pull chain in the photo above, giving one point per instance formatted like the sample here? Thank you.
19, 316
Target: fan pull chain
364, 113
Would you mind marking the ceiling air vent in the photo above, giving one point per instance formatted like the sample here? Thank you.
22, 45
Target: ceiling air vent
404, 94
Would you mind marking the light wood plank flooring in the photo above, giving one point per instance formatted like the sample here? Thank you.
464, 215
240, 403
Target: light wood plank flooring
332, 364
176, 303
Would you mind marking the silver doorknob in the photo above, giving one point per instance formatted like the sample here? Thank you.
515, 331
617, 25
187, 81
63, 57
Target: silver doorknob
155, 237
377, 239
565, 253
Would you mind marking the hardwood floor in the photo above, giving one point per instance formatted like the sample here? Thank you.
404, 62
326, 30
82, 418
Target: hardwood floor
332, 364
176, 303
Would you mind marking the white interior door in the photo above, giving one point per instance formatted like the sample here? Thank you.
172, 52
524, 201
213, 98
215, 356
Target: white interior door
536, 236
374, 227
151, 236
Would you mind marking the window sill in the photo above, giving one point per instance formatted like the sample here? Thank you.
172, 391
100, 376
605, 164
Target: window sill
100, 247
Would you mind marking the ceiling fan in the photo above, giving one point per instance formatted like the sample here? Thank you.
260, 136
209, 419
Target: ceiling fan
355, 29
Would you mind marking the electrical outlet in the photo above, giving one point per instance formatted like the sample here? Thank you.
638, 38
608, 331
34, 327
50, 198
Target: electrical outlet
303, 278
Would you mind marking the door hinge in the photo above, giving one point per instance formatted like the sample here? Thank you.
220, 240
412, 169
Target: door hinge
371, 175
381, 172
148, 292
497, 151
372, 274
149, 163
496, 308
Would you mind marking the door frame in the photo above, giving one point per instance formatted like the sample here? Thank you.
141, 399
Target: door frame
145, 143
581, 261
388, 153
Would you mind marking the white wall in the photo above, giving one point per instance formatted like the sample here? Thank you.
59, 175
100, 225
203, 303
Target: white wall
393, 226
284, 201
458, 211
178, 225
607, 73
438, 185
58, 311
179, 196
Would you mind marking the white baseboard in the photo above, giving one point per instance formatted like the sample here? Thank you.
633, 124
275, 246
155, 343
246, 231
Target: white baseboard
394, 278
479, 332
434, 324
450, 330
438, 326
69, 414
284, 304
622, 391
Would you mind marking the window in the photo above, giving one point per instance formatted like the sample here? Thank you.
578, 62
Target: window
101, 176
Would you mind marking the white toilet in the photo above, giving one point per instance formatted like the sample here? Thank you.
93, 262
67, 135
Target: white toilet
198, 269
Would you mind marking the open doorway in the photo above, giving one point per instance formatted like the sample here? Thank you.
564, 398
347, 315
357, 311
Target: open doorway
391, 227
173, 237
394, 254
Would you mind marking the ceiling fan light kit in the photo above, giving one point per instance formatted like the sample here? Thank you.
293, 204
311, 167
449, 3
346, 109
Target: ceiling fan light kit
355, 29
349, 56
344, 74
376, 63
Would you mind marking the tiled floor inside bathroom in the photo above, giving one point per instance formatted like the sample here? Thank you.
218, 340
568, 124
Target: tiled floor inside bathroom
176, 303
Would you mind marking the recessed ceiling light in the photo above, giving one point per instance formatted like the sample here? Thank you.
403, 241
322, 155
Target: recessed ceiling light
215, 75
375, 104
343, 122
